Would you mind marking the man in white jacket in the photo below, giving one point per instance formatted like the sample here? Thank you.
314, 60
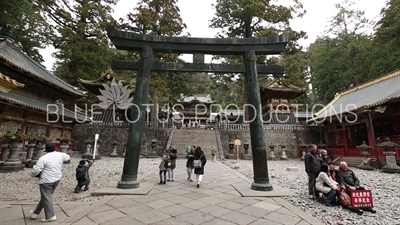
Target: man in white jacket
49, 170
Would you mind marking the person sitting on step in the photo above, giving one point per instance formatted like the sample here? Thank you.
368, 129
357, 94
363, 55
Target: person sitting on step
326, 185
349, 181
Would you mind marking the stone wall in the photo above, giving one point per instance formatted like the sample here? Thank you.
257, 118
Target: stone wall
108, 134
290, 136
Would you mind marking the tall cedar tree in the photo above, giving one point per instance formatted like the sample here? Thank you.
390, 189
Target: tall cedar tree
343, 57
387, 38
81, 42
244, 18
23, 18
161, 17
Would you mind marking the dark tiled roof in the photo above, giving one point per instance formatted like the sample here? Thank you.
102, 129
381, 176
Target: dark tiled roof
14, 56
31, 103
370, 94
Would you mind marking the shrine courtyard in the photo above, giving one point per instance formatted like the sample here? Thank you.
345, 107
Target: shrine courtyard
224, 197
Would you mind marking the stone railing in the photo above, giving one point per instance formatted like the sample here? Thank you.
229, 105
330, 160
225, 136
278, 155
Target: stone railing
126, 124
219, 144
268, 127
171, 135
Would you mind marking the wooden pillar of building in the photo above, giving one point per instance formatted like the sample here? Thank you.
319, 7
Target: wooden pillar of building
370, 135
345, 140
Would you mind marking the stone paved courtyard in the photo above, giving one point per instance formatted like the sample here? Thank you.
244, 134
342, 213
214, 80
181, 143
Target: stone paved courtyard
180, 202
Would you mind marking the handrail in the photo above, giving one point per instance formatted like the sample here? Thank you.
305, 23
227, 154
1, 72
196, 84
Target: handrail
222, 126
219, 144
171, 135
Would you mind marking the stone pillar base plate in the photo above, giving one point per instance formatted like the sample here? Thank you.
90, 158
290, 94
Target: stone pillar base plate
391, 169
128, 184
366, 167
262, 187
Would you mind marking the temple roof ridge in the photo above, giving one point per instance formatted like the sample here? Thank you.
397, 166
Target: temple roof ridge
12, 54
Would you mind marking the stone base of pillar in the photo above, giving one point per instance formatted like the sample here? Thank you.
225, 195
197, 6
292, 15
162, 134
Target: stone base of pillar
303, 156
284, 157
11, 166
128, 184
152, 155
90, 156
261, 187
366, 167
114, 155
390, 168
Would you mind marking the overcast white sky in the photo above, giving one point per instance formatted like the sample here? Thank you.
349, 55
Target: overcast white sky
197, 14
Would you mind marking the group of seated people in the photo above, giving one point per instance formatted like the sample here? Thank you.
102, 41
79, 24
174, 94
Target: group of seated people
330, 182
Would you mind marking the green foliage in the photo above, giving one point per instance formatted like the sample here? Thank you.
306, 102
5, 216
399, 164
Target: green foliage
29, 27
161, 17
387, 38
244, 18
81, 43
341, 60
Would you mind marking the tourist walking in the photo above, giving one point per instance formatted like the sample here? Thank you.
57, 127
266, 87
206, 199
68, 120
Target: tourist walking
213, 152
312, 162
199, 162
82, 175
49, 171
173, 154
165, 164
189, 163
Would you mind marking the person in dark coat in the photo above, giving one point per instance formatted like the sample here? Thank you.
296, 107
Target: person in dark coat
173, 154
199, 155
189, 163
312, 162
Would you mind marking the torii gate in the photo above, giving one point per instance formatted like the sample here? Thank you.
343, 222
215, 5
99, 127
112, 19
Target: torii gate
150, 44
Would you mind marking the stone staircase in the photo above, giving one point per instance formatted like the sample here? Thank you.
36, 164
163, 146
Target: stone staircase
206, 139
351, 161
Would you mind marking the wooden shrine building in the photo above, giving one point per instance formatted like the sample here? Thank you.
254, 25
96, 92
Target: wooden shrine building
109, 114
368, 112
198, 103
33, 99
278, 102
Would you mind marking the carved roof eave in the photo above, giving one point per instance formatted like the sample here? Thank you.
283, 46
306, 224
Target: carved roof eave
107, 76
6, 84
285, 83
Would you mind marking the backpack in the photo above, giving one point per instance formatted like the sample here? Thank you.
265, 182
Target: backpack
81, 173
167, 163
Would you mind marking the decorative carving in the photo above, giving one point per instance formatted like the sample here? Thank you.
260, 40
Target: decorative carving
55, 133
145, 52
251, 56
11, 126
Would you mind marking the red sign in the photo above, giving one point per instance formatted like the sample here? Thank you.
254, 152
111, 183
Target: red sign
361, 199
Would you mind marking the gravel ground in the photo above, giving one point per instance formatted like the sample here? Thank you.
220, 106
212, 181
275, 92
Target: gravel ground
385, 189
20, 186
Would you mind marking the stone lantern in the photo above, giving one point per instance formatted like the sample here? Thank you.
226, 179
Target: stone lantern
123, 155
365, 154
272, 151
4, 147
246, 147
391, 165
114, 145
40, 146
88, 146
231, 146
283, 151
153, 145
303, 148
14, 163
64, 143
31, 146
